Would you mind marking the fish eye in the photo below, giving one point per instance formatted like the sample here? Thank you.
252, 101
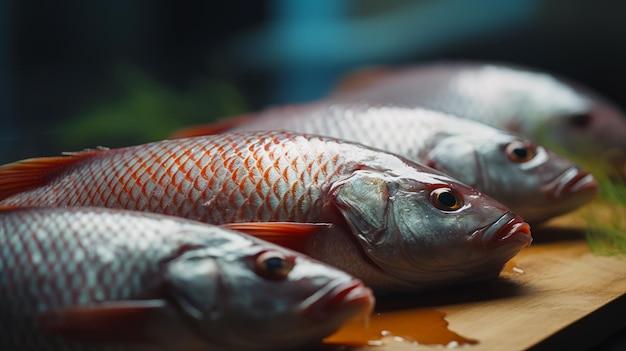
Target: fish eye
580, 120
446, 199
519, 151
273, 265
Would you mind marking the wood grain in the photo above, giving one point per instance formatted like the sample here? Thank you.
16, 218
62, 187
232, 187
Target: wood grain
566, 298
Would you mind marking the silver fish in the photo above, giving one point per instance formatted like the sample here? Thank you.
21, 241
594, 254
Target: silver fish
395, 224
96, 279
550, 110
533, 182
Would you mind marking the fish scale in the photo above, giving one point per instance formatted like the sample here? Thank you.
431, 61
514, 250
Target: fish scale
57, 262
476, 154
56, 247
60, 272
547, 108
166, 175
346, 204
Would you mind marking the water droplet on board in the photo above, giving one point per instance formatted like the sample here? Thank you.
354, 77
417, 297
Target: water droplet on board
511, 269
412, 326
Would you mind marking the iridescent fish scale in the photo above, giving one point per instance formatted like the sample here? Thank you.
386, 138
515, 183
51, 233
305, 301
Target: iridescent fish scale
249, 177
62, 280
75, 260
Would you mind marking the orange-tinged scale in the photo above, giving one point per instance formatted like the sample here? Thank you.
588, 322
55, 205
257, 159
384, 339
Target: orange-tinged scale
373, 201
157, 285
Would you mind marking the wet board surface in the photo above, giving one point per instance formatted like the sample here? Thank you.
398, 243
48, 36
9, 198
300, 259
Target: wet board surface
555, 294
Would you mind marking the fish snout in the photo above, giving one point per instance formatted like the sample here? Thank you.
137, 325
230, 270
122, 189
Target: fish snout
507, 230
351, 297
574, 181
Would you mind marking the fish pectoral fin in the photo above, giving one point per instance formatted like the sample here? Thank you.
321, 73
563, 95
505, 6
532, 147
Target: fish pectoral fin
291, 235
31, 173
106, 322
212, 128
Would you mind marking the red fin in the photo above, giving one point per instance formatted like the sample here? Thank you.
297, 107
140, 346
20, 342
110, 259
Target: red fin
108, 322
361, 78
10, 208
27, 174
291, 235
212, 128
4, 208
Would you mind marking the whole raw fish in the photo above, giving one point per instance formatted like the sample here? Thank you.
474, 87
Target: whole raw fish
85, 278
550, 110
533, 182
395, 224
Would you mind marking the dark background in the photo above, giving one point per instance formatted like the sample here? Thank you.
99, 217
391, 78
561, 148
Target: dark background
78, 74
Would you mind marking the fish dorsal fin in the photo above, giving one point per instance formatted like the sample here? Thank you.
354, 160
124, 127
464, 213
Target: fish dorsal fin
27, 174
291, 235
106, 322
361, 78
212, 128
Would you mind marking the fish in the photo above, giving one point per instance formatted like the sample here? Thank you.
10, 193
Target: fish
531, 180
88, 278
394, 224
549, 109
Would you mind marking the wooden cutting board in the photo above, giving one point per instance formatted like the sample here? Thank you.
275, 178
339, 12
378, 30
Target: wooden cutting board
555, 295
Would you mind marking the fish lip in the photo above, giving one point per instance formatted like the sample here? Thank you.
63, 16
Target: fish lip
509, 229
574, 180
351, 297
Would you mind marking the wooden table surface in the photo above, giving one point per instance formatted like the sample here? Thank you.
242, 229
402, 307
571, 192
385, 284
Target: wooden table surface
554, 295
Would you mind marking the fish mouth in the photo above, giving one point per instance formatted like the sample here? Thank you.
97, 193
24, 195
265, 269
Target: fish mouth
507, 230
573, 181
351, 297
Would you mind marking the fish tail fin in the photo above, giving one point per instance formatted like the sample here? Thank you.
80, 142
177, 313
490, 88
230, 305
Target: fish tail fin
31, 173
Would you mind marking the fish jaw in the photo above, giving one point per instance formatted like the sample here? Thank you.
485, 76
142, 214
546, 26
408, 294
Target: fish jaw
533, 187
417, 244
351, 297
571, 189
499, 242
253, 312
572, 181
508, 230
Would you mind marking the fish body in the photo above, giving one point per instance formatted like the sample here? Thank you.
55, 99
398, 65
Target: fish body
532, 181
394, 224
549, 110
103, 279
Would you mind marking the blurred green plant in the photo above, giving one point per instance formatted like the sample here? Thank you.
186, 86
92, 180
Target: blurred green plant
144, 110
605, 217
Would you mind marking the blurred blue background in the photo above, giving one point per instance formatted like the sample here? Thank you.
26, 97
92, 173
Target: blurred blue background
80, 74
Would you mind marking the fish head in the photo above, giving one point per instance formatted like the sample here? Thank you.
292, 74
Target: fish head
594, 133
569, 118
426, 227
263, 296
532, 181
